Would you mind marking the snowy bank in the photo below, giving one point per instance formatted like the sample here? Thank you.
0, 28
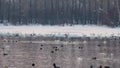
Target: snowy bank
76, 30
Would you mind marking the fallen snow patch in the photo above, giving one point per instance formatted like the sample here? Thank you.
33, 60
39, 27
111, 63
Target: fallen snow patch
76, 30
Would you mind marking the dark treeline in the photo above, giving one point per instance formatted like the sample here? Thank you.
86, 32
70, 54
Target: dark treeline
60, 12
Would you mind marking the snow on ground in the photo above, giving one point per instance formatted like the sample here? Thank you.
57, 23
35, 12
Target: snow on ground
76, 30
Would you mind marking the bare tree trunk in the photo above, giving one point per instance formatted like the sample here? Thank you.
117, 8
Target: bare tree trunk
8, 17
118, 8
97, 9
0, 12
19, 18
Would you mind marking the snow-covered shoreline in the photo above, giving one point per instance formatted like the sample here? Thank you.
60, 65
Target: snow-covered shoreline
76, 30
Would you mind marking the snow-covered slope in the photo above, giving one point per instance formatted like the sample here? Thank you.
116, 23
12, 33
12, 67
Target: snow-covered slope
77, 30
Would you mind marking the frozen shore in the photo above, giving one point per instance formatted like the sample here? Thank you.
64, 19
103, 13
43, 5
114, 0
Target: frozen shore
76, 30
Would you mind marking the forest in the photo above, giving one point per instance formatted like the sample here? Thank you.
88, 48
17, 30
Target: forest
60, 12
